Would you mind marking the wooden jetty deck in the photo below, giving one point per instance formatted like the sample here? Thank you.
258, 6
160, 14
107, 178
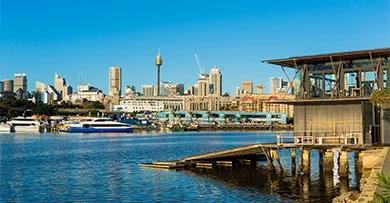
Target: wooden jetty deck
239, 154
257, 152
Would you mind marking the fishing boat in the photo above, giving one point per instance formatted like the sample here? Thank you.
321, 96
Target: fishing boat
97, 125
25, 125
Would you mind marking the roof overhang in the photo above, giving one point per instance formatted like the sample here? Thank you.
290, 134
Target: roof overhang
294, 62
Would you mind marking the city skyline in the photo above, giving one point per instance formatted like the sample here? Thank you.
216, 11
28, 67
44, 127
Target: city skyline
42, 36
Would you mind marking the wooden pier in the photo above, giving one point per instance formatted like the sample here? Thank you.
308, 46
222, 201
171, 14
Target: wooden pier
250, 154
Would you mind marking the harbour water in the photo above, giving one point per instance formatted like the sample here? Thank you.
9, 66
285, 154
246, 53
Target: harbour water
104, 168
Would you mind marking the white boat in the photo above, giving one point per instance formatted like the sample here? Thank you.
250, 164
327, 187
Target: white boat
25, 125
96, 125
5, 128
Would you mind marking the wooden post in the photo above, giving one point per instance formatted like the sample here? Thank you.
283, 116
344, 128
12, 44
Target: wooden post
293, 160
328, 163
276, 156
300, 166
359, 162
306, 161
269, 158
344, 166
321, 160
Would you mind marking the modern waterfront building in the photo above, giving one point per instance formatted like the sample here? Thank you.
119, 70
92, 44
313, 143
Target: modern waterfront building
215, 80
8, 85
328, 101
147, 90
115, 84
152, 104
247, 87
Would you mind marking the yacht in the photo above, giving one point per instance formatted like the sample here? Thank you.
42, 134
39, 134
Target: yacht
25, 125
5, 128
97, 125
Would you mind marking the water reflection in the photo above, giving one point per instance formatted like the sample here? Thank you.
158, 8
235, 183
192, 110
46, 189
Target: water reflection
103, 168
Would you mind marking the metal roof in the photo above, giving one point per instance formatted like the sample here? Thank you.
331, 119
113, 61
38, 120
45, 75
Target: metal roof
291, 62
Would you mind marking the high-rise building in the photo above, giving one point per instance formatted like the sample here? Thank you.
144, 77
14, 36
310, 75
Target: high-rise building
247, 86
215, 80
180, 89
155, 90
173, 89
20, 82
196, 88
67, 91
238, 91
147, 90
190, 90
115, 85
275, 84
162, 88
8, 85
59, 83
202, 86
1, 87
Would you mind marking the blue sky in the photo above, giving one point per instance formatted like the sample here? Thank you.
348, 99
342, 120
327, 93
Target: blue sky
85, 38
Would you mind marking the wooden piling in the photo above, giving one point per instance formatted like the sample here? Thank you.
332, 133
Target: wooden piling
306, 161
328, 162
344, 166
293, 160
321, 160
268, 155
276, 156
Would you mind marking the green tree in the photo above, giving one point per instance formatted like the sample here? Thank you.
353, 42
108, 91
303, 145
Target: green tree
381, 97
94, 105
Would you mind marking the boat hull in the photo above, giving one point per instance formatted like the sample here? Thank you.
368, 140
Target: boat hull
96, 130
27, 129
5, 129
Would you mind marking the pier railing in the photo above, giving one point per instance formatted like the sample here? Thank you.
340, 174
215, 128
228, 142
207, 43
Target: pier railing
318, 138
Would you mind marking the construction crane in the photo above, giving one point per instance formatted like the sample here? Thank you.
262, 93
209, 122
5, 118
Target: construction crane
201, 68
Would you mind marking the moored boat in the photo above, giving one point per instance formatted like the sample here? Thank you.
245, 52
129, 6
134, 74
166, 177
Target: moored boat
25, 125
97, 125
5, 128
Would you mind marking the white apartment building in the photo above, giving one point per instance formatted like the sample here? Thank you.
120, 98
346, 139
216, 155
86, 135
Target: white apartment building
86, 92
153, 104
